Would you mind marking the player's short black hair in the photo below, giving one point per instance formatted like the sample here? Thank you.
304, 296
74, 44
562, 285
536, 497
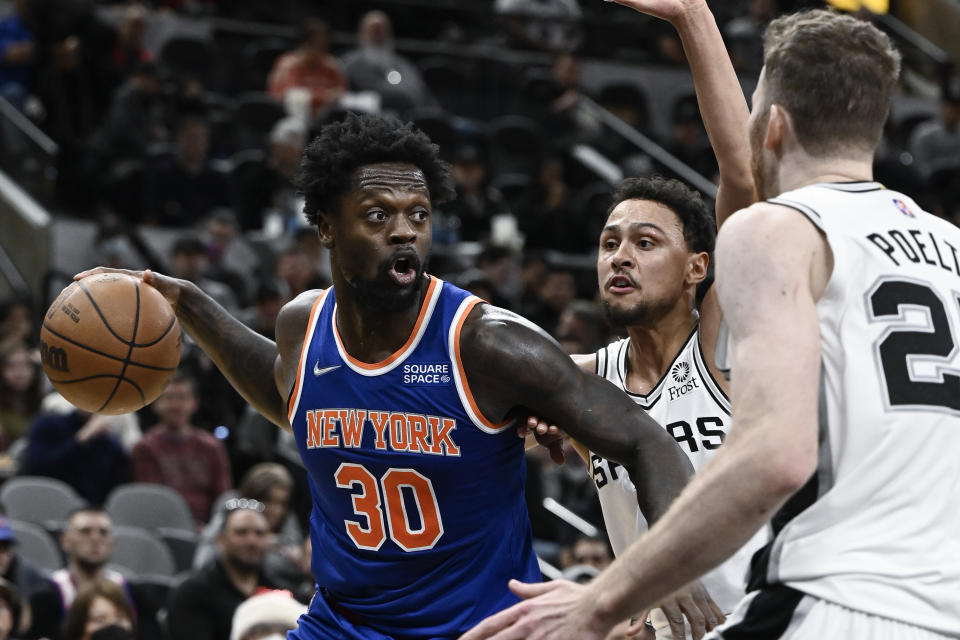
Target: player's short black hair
699, 228
343, 147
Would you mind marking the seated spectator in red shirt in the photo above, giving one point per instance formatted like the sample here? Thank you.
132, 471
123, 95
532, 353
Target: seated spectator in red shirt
310, 66
179, 455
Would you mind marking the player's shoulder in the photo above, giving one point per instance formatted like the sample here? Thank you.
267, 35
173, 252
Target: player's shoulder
489, 321
491, 334
762, 225
295, 315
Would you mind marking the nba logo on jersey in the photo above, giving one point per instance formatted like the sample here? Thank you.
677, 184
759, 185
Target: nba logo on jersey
904, 209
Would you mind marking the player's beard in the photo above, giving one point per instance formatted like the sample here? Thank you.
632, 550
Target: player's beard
642, 314
381, 293
757, 165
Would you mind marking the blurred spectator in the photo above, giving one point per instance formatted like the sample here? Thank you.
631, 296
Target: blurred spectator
476, 202
190, 7
11, 610
18, 571
547, 219
936, 144
567, 123
307, 240
744, 36
188, 260
299, 272
125, 427
202, 607
223, 264
580, 573
532, 273
74, 81
266, 616
133, 121
547, 25
181, 189
309, 67
20, 392
498, 263
581, 327
688, 138
272, 485
179, 455
100, 605
268, 190
20, 577
17, 56
477, 282
129, 53
590, 551
262, 317
16, 325
80, 449
87, 543
556, 291
376, 66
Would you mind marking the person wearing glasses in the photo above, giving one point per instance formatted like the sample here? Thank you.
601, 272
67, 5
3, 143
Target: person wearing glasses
202, 607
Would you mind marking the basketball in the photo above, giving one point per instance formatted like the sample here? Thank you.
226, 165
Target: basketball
110, 343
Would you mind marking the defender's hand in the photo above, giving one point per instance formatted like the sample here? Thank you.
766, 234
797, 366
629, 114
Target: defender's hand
557, 610
547, 435
695, 604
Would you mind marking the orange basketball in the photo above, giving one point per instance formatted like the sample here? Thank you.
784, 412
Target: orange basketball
110, 343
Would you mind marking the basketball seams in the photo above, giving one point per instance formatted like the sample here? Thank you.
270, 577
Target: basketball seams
103, 353
173, 321
103, 375
103, 318
133, 341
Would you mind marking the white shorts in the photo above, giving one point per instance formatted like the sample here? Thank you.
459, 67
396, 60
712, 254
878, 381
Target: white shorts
787, 614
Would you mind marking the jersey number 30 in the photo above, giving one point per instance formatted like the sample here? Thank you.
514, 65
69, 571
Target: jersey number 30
902, 345
372, 534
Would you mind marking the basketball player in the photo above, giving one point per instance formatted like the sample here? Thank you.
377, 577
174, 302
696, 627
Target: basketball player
841, 299
399, 389
653, 255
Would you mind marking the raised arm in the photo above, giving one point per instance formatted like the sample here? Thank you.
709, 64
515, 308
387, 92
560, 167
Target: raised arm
772, 267
514, 368
247, 359
719, 95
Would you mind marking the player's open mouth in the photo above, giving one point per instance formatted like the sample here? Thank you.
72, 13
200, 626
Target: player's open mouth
402, 271
620, 284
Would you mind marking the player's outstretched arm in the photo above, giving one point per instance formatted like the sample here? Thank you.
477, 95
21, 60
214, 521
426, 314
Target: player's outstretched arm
246, 358
719, 95
771, 270
514, 368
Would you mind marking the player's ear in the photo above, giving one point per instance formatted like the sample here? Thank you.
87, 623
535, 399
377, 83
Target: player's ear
779, 126
325, 229
697, 265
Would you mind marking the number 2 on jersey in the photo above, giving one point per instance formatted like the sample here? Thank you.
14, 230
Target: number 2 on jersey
902, 346
367, 503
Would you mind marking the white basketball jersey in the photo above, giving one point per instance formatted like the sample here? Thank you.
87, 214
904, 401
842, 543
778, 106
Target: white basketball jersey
878, 527
692, 408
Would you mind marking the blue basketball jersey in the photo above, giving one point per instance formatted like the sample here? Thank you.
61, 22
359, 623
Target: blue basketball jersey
419, 517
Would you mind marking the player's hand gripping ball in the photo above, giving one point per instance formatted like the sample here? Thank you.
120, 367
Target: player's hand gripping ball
110, 343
